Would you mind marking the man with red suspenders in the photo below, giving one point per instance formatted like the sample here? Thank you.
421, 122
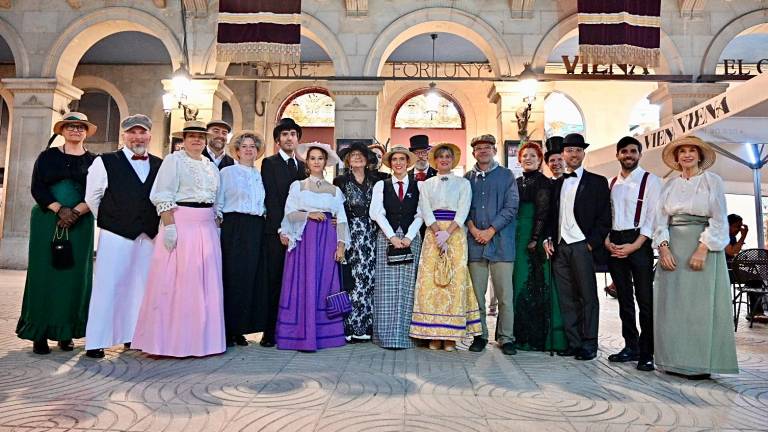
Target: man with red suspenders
634, 198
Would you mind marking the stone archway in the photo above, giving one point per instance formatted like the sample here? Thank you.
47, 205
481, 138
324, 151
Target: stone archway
16, 44
82, 34
88, 82
671, 60
726, 35
447, 20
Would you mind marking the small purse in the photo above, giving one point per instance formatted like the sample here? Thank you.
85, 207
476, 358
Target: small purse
338, 304
396, 256
444, 271
62, 256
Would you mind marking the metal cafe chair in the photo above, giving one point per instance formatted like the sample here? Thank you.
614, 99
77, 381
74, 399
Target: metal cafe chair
750, 276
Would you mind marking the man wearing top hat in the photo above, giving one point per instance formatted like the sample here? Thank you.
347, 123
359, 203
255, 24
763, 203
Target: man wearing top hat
634, 198
420, 147
217, 142
553, 157
278, 172
581, 222
117, 192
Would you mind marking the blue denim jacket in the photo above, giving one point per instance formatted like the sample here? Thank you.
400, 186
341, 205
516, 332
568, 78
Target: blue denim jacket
495, 201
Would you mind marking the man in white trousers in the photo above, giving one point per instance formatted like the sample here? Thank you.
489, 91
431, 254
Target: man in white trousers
117, 192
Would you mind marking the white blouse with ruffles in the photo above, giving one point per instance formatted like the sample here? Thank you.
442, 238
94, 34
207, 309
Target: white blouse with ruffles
701, 195
445, 192
183, 179
241, 191
302, 201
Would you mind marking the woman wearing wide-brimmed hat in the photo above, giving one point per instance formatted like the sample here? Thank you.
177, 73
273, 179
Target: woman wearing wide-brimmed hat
395, 208
445, 307
58, 286
357, 186
315, 247
240, 208
692, 297
182, 313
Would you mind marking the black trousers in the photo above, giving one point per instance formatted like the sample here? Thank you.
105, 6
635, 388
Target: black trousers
633, 277
275, 260
574, 272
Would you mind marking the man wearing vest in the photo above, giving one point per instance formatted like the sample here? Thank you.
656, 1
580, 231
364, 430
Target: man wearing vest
634, 198
217, 141
117, 192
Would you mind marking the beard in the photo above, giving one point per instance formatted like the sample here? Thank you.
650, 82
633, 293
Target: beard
421, 165
629, 164
217, 143
139, 149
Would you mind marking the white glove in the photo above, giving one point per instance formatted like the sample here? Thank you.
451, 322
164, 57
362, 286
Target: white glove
442, 240
170, 237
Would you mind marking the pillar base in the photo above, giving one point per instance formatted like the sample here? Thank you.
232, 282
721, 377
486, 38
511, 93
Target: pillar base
14, 252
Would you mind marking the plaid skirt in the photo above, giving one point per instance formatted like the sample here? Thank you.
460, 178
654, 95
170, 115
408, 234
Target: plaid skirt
393, 296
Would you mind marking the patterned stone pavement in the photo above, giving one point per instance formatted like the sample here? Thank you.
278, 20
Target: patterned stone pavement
361, 387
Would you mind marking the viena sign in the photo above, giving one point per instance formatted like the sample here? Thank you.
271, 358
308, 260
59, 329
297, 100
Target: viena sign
695, 118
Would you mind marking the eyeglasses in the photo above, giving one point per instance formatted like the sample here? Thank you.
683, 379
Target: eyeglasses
76, 127
483, 148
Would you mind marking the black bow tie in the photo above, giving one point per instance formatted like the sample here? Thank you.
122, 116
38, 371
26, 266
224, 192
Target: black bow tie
571, 174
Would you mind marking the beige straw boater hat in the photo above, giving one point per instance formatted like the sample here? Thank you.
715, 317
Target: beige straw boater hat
401, 150
708, 155
303, 149
239, 135
75, 117
192, 126
454, 148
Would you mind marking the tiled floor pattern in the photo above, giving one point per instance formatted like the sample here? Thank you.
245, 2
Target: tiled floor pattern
362, 387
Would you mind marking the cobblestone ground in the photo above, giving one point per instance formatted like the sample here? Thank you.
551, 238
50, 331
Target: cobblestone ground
361, 387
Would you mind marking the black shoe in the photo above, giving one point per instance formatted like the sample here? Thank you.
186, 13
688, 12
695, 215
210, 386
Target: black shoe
508, 348
127, 345
230, 342
568, 352
66, 345
267, 343
478, 344
95, 353
240, 340
645, 365
623, 356
585, 354
41, 347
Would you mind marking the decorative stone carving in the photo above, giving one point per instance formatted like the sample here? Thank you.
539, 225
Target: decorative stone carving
32, 101
357, 8
521, 9
355, 103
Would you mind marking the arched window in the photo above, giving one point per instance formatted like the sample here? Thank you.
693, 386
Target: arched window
314, 110
428, 110
644, 117
102, 111
561, 116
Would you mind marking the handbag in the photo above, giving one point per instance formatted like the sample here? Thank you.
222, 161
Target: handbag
396, 256
338, 304
444, 271
62, 256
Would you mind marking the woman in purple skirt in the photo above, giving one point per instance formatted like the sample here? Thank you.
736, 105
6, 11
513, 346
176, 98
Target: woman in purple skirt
315, 247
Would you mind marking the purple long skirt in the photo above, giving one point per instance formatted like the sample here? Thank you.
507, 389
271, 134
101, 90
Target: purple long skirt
310, 275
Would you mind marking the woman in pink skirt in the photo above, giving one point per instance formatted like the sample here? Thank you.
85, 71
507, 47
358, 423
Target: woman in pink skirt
182, 313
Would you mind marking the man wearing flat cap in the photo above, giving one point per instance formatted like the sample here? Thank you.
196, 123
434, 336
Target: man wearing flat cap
217, 143
117, 192
581, 221
491, 243
634, 198
278, 172
420, 147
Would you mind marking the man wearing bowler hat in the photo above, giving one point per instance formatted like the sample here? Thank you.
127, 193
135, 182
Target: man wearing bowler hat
219, 129
420, 147
581, 222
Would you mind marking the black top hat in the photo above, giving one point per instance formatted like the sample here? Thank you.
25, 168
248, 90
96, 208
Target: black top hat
419, 142
357, 146
628, 140
285, 124
554, 145
574, 140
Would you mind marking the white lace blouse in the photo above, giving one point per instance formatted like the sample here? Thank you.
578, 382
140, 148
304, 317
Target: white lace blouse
446, 192
701, 195
302, 201
183, 179
241, 191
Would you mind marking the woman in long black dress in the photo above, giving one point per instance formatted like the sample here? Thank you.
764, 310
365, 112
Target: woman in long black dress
57, 292
358, 273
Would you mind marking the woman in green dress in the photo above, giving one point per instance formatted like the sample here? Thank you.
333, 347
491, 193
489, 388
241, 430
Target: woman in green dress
538, 324
58, 286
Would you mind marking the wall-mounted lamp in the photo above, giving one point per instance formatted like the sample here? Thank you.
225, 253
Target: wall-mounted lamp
178, 98
529, 83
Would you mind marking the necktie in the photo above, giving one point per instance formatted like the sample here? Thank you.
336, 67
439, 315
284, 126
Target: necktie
400, 194
292, 168
421, 176
139, 157
571, 174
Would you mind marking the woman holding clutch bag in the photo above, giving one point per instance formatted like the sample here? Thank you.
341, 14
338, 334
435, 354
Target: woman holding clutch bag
395, 208
315, 247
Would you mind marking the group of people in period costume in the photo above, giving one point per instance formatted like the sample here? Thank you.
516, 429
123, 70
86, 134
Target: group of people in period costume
201, 248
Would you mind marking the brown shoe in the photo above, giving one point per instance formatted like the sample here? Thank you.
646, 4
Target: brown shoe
435, 344
449, 346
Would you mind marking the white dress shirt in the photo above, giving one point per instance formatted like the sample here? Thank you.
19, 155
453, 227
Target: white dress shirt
241, 191
378, 213
216, 159
454, 193
624, 196
98, 180
569, 229
285, 157
183, 179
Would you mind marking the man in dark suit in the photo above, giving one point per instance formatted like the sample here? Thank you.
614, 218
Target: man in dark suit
215, 150
420, 147
278, 172
581, 221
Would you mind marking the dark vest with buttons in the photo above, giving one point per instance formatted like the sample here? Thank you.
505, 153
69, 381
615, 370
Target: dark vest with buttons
125, 209
401, 214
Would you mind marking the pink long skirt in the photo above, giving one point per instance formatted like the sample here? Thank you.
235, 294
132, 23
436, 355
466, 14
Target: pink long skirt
182, 313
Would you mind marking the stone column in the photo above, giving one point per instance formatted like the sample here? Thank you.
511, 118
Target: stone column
37, 103
356, 106
509, 101
674, 98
